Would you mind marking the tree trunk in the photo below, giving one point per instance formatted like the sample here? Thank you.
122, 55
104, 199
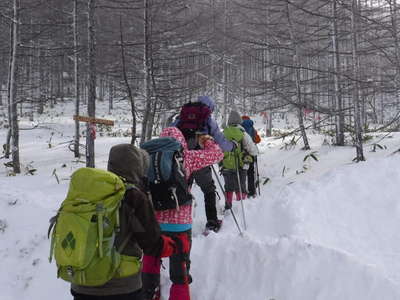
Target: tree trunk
76, 78
147, 75
50, 79
268, 127
111, 97
150, 123
30, 76
356, 86
13, 89
297, 65
91, 103
42, 84
225, 108
7, 145
61, 83
395, 34
225, 111
128, 87
339, 116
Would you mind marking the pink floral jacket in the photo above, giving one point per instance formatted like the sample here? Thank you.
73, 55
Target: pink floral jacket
193, 160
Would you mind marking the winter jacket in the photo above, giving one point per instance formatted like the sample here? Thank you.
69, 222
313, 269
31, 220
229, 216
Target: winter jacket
248, 145
193, 160
248, 125
212, 127
136, 216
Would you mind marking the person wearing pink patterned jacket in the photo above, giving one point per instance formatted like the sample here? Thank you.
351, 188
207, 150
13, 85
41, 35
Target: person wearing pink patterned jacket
178, 224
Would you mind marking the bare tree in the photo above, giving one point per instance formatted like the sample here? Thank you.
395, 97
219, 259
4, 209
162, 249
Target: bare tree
91, 102
297, 66
76, 77
337, 71
12, 99
127, 84
356, 88
146, 70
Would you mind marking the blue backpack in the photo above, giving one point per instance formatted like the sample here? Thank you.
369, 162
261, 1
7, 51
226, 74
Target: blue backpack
166, 175
248, 126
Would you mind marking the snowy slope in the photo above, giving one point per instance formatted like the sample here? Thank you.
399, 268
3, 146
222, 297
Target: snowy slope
328, 233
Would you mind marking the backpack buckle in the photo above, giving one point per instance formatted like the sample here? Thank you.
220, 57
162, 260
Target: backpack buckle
70, 271
99, 207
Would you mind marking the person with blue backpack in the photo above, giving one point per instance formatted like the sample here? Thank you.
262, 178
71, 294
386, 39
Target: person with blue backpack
172, 164
248, 125
195, 119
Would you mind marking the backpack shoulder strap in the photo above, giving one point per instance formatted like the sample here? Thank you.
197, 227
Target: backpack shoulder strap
178, 157
128, 187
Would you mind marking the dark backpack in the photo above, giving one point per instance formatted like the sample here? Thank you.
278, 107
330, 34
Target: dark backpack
166, 175
193, 118
248, 125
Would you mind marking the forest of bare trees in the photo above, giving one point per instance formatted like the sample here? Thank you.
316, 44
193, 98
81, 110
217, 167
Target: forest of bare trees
336, 60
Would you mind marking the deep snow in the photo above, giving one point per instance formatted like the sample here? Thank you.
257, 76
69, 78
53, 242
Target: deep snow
328, 233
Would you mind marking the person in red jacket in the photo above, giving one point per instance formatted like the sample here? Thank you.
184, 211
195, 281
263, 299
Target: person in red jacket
177, 223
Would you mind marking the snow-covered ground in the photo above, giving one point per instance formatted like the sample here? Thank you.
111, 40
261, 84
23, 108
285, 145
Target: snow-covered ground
326, 229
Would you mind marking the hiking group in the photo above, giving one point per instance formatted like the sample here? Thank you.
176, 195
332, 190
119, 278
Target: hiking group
115, 226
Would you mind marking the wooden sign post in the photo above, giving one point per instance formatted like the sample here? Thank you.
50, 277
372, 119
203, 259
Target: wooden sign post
91, 133
94, 120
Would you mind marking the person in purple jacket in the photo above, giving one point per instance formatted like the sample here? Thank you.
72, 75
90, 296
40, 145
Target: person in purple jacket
203, 177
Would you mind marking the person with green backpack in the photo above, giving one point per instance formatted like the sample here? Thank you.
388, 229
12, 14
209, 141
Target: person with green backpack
104, 226
235, 162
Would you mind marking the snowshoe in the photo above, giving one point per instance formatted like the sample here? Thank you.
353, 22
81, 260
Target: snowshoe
212, 226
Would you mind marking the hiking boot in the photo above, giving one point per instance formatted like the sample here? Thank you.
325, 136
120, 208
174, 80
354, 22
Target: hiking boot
251, 195
151, 294
214, 225
228, 205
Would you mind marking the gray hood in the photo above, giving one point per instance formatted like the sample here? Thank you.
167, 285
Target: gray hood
129, 162
234, 118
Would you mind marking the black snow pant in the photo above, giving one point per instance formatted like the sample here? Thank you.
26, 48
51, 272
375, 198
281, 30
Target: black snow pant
231, 180
251, 183
206, 183
131, 296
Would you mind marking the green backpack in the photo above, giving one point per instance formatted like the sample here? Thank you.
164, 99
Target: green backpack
231, 158
84, 230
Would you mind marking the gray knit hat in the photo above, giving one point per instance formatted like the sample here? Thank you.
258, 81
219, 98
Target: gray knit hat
234, 118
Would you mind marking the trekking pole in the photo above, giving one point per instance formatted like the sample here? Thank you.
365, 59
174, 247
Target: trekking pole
258, 176
240, 191
223, 191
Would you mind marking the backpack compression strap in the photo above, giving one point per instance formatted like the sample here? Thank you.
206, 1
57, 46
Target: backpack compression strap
157, 167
